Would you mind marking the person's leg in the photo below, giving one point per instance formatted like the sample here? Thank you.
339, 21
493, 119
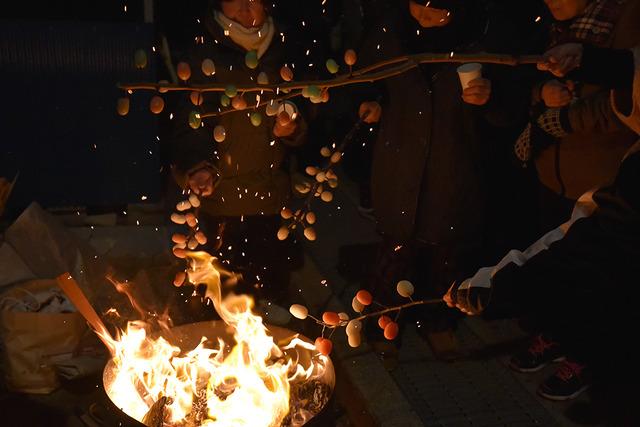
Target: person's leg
391, 265
434, 269
578, 334
270, 261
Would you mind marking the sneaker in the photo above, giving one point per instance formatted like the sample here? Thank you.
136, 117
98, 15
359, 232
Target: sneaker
567, 382
540, 353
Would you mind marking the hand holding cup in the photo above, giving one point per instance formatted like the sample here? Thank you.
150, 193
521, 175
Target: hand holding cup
477, 92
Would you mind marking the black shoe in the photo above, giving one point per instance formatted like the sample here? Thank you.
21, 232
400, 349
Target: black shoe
540, 353
567, 382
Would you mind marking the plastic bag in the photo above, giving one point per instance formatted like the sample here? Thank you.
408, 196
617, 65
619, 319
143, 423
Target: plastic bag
35, 341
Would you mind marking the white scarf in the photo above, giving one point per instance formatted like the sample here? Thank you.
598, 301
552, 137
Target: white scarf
257, 39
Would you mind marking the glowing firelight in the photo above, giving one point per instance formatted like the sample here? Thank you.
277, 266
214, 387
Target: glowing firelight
216, 383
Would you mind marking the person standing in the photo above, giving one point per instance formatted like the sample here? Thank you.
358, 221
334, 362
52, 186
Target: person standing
574, 140
564, 278
428, 180
241, 171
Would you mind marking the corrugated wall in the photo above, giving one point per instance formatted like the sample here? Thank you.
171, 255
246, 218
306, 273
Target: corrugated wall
58, 124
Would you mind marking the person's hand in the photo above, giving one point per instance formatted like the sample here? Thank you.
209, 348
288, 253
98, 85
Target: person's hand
429, 17
557, 94
468, 297
201, 182
370, 112
285, 125
562, 59
477, 92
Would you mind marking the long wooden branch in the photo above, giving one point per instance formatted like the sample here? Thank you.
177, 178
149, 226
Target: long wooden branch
387, 68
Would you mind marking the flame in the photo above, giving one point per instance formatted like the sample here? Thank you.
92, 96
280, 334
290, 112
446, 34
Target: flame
247, 384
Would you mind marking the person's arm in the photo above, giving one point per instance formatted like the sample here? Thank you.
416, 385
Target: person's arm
190, 151
588, 115
626, 101
612, 68
474, 295
593, 114
190, 155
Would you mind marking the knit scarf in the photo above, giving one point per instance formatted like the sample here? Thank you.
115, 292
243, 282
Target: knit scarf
257, 39
594, 26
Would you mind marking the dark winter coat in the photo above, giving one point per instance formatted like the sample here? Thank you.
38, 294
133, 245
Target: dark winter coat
583, 287
252, 162
589, 157
429, 165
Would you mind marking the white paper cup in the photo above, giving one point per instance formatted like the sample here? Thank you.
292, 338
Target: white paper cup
469, 72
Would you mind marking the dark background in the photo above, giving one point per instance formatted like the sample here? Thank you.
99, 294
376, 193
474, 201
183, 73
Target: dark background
60, 63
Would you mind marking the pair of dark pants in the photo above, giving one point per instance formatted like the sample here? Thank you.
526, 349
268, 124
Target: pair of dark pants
431, 268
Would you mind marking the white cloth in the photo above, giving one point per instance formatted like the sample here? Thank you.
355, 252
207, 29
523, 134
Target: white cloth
258, 39
584, 207
50, 301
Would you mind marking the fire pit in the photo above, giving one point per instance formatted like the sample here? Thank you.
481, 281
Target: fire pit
198, 386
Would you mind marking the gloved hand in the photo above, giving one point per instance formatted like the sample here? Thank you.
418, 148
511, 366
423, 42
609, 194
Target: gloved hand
203, 179
553, 122
470, 296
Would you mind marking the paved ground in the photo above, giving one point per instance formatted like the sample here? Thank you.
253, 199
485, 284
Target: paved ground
421, 391
478, 390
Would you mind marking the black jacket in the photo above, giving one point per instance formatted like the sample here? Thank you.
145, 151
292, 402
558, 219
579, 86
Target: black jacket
593, 270
251, 160
429, 163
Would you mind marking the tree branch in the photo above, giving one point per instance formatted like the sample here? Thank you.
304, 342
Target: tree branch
390, 68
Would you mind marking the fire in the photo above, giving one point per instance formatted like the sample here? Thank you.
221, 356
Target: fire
246, 382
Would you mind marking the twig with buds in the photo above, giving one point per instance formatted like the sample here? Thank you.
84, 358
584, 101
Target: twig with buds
353, 327
325, 175
187, 213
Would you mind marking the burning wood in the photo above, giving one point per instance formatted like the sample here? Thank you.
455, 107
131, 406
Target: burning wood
253, 376
307, 400
157, 414
199, 405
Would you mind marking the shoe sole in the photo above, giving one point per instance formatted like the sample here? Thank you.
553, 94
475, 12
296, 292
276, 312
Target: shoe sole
562, 398
537, 368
